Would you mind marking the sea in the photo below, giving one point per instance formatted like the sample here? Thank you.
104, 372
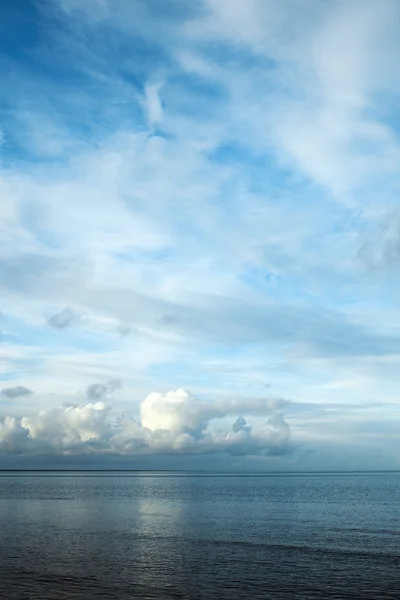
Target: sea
163, 535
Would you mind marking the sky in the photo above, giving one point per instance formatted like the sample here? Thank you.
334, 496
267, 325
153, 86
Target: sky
200, 234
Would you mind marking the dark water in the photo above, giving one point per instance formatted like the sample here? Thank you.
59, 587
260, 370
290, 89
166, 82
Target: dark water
119, 536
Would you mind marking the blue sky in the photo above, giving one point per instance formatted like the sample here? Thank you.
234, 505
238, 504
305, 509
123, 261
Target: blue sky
200, 215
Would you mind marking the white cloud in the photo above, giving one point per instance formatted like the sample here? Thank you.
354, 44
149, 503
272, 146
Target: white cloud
69, 427
177, 412
202, 191
171, 422
332, 127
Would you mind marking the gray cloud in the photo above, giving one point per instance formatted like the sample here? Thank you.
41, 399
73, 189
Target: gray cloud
241, 425
98, 391
25, 271
15, 392
124, 329
64, 318
42, 274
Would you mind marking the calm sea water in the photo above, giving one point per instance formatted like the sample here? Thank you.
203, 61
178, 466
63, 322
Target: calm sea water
120, 536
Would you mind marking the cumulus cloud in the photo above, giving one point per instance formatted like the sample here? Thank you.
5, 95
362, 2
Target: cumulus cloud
175, 422
278, 430
14, 438
64, 318
180, 412
59, 430
15, 392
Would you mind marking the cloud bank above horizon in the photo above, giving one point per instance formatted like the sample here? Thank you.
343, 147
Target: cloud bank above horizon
201, 196
170, 423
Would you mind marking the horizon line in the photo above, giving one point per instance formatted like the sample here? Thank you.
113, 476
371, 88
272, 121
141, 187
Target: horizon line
201, 471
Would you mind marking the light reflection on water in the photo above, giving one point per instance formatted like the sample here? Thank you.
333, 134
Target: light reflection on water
167, 536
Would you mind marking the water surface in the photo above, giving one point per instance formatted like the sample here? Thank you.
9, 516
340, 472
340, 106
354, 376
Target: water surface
153, 536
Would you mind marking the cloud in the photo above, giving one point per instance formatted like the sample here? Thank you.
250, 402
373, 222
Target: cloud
64, 318
279, 430
317, 331
180, 412
198, 174
153, 104
241, 425
67, 429
380, 247
177, 412
123, 329
36, 273
175, 422
13, 436
98, 391
15, 392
